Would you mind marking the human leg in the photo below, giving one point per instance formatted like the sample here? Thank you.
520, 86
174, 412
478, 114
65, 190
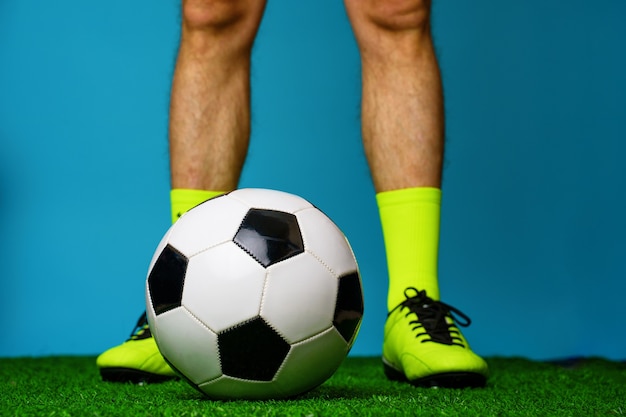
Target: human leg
403, 132
402, 117
209, 134
210, 100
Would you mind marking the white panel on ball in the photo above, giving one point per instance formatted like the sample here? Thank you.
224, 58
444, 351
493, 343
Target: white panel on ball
325, 241
270, 199
197, 357
227, 388
314, 359
224, 286
198, 230
300, 296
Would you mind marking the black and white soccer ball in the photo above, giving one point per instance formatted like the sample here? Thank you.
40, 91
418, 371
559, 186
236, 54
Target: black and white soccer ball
255, 294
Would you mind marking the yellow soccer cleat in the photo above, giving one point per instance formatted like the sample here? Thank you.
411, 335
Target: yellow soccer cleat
136, 360
423, 345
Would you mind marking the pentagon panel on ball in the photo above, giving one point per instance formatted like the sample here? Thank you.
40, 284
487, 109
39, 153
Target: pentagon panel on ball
269, 236
349, 307
255, 294
166, 280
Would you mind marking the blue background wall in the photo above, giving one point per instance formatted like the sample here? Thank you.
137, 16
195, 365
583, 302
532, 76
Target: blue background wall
533, 221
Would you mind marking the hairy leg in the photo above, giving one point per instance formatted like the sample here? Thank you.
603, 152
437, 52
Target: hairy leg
210, 98
402, 103
402, 123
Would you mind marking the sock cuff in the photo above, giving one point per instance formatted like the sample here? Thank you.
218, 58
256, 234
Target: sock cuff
409, 195
410, 220
184, 199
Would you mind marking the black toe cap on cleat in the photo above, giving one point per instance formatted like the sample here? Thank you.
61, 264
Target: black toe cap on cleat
442, 380
132, 375
452, 380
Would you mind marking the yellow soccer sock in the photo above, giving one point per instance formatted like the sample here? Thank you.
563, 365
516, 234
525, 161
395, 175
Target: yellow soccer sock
410, 221
184, 199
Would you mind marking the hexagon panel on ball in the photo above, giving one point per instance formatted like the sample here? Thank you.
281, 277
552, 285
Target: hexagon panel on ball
300, 297
211, 223
270, 199
326, 241
188, 346
225, 286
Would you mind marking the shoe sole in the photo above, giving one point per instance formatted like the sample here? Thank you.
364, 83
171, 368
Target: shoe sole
132, 375
442, 380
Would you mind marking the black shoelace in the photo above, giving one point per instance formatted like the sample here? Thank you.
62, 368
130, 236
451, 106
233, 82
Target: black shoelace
431, 318
141, 330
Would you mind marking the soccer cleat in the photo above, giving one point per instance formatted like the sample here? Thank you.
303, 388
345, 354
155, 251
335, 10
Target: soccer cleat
423, 345
136, 360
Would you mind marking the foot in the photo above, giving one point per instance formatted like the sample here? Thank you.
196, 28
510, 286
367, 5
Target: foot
423, 345
136, 360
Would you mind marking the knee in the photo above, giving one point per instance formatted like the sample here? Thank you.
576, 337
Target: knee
222, 16
390, 15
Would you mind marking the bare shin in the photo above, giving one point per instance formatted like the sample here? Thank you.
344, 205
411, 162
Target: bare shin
210, 98
402, 100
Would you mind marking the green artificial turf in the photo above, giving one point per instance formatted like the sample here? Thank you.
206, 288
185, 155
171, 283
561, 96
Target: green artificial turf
70, 386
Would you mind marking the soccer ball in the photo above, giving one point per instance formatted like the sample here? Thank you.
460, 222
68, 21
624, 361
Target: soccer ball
254, 294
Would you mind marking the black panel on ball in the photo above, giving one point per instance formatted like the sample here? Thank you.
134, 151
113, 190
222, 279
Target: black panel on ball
269, 236
252, 351
166, 280
349, 307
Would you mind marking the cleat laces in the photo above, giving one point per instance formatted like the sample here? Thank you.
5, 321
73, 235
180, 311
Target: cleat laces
141, 330
431, 318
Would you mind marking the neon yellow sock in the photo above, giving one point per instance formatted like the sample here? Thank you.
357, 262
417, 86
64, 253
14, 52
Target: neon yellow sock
184, 199
410, 221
